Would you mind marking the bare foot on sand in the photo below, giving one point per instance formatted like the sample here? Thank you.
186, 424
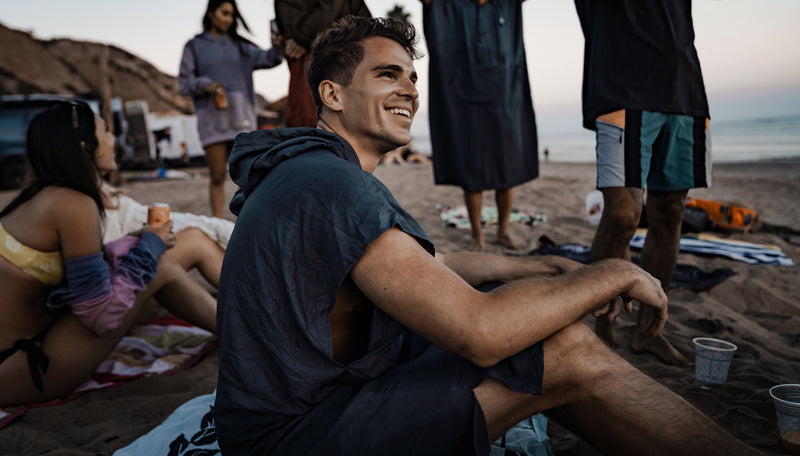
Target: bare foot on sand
658, 346
477, 244
509, 242
605, 331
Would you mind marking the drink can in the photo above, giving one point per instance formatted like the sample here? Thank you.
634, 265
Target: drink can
157, 214
220, 99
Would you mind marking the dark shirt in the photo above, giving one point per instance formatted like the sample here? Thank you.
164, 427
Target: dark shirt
307, 211
640, 55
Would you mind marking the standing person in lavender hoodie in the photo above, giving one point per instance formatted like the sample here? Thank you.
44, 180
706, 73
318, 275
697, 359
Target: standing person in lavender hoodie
216, 70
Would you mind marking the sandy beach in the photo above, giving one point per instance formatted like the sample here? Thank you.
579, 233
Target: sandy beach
758, 308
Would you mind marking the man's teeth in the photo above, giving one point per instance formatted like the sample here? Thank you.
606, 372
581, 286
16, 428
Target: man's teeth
402, 112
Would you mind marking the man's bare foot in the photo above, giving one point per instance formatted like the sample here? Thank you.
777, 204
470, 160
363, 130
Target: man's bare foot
658, 346
509, 242
605, 331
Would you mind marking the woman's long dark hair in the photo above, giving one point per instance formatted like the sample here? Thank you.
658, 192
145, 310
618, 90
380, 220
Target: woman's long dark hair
61, 146
233, 30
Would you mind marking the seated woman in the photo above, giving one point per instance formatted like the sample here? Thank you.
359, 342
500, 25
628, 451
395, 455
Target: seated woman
200, 240
67, 301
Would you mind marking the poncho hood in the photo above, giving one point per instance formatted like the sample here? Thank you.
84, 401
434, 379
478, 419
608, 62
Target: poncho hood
257, 153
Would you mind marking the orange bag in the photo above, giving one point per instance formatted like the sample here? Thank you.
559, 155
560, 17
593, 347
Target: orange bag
728, 216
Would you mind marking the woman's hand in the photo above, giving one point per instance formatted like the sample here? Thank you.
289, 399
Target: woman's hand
164, 232
214, 87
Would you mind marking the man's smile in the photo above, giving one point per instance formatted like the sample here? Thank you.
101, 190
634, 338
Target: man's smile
400, 111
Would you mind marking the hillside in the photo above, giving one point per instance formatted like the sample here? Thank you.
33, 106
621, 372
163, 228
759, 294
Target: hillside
65, 66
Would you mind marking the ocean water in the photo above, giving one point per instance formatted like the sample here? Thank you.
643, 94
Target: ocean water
767, 138
763, 138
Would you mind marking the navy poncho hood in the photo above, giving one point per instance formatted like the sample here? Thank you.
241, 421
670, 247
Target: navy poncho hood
257, 153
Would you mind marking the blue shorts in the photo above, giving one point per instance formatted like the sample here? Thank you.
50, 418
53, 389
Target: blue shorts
656, 151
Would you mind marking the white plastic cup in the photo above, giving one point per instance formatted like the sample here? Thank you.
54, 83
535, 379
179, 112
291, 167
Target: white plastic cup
787, 408
594, 206
712, 360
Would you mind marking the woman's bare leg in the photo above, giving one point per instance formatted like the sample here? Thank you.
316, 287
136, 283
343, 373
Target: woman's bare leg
217, 158
74, 350
186, 298
194, 249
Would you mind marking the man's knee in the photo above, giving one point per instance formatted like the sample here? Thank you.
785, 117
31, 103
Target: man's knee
665, 207
579, 349
623, 218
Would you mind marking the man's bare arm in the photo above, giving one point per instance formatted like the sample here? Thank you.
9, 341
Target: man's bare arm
477, 268
401, 278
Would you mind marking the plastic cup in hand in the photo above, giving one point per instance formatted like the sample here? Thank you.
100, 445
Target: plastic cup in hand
787, 407
712, 360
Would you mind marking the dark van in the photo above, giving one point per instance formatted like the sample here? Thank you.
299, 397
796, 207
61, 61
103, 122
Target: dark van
16, 111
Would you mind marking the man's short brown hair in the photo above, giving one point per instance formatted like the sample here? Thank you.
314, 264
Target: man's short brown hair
337, 51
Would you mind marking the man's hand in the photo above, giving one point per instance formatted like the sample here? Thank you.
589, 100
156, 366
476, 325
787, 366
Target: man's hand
293, 50
647, 290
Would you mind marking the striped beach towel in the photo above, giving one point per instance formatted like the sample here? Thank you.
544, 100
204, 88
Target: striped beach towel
157, 346
706, 244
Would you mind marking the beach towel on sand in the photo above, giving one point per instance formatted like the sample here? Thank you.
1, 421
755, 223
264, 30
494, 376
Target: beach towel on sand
685, 276
190, 430
707, 244
160, 345
457, 217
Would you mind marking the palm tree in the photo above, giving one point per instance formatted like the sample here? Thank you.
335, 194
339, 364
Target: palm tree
399, 14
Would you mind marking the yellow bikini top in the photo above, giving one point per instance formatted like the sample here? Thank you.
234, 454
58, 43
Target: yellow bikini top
47, 267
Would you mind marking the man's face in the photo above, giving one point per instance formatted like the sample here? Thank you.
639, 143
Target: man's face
379, 104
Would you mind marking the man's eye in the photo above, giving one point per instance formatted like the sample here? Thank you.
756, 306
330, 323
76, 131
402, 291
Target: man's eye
387, 74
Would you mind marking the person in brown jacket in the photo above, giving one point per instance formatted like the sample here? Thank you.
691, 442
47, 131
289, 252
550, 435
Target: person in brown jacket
300, 21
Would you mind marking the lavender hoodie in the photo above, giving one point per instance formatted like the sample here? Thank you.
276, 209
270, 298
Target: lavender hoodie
207, 59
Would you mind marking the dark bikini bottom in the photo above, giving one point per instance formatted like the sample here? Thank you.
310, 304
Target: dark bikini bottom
37, 360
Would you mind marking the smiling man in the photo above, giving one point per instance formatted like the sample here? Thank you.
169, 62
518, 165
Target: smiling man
341, 333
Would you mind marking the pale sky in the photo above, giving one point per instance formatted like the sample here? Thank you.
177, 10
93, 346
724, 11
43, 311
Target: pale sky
744, 45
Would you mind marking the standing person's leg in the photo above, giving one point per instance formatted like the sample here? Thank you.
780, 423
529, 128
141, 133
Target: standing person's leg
622, 208
474, 203
659, 256
606, 401
217, 158
505, 200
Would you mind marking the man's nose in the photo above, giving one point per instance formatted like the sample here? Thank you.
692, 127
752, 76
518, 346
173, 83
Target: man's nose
408, 88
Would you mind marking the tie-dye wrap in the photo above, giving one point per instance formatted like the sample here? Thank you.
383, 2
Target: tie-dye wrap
100, 291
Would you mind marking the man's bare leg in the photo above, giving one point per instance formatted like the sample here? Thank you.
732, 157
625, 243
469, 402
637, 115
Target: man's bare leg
474, 203
621, 212
659, 256
606, 401
505, 199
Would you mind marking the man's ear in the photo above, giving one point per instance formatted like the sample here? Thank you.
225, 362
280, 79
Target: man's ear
330, 94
